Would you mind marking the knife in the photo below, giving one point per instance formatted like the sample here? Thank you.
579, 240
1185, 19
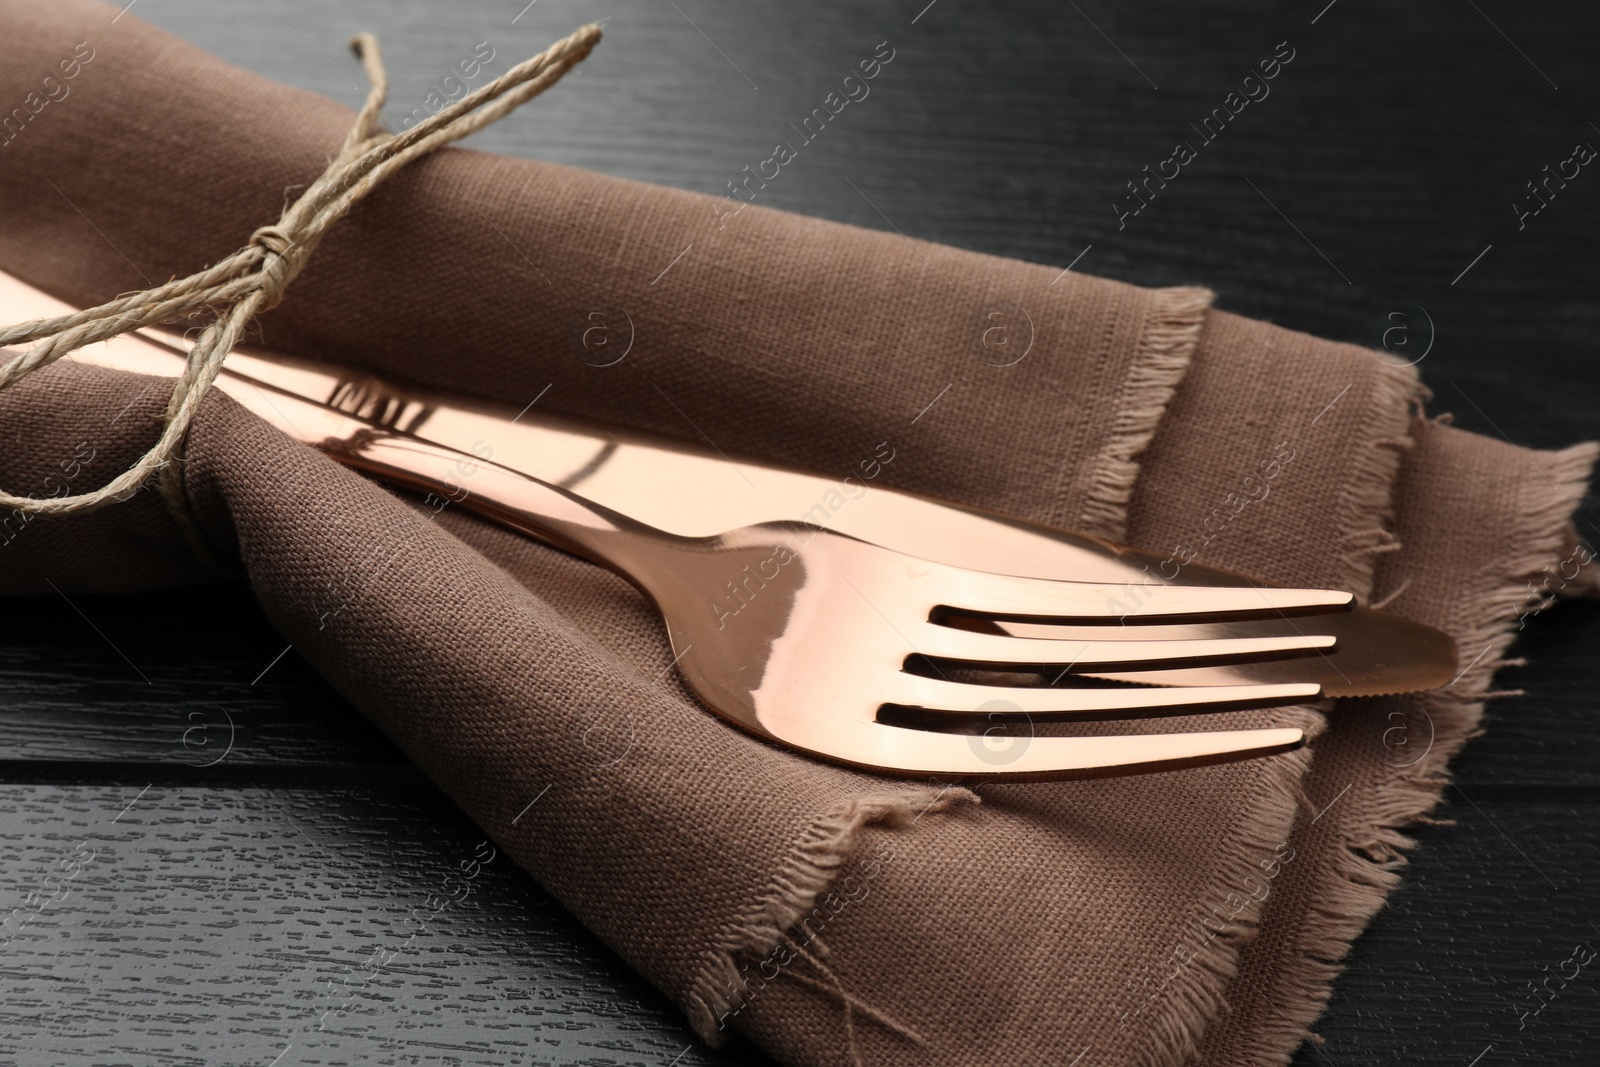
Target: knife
694, 491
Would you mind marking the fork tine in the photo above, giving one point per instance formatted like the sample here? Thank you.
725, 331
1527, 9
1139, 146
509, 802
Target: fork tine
1040, 599
1053, 758
997, 650
1047, 704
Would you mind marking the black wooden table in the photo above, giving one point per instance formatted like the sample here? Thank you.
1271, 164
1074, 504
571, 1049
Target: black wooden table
215, 858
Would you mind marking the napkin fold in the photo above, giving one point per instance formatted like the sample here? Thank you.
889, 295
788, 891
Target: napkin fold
832, 916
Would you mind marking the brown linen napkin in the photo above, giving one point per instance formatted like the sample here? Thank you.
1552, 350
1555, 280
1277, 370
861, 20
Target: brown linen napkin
829, 915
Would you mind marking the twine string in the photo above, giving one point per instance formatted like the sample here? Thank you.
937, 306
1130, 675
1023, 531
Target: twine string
253, 279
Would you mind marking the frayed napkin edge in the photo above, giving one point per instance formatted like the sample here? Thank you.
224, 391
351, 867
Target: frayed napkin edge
1365, 875
814, 863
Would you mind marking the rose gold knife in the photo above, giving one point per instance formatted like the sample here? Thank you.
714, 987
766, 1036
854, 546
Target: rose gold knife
682, 489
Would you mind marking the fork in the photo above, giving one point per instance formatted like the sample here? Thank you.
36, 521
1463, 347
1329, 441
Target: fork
675, 487
842, 649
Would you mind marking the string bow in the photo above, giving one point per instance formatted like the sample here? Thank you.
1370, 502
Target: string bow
254, 278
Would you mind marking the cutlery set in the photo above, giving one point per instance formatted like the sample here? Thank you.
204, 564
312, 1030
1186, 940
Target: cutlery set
891, 633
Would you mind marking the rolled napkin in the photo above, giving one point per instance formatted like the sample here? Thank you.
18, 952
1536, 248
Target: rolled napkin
832, 916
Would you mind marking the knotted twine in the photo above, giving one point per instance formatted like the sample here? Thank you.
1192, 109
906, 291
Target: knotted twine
253, 279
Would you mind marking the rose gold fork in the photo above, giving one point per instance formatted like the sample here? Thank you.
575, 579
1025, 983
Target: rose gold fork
814, 640
840, 648
681, 489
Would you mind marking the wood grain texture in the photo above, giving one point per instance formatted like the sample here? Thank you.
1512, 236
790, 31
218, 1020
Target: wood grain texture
198, 925
235, 903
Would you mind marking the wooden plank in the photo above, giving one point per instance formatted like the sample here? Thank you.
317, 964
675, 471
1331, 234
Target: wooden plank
191, 925
182, 682
1499, 900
